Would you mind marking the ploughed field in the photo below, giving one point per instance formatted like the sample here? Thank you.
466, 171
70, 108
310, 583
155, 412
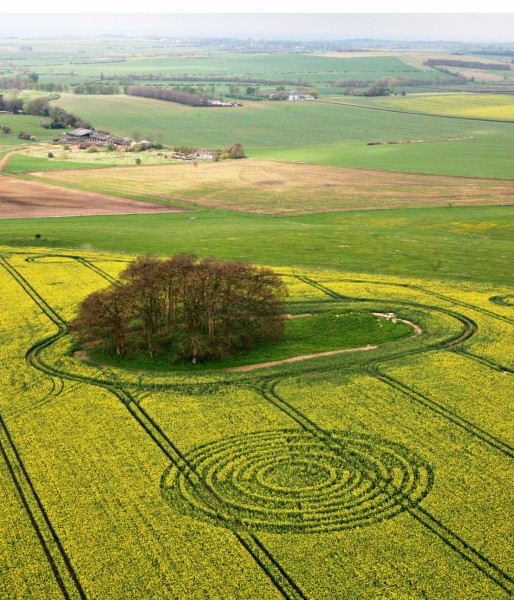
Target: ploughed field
283, 188
20, 198
384, 473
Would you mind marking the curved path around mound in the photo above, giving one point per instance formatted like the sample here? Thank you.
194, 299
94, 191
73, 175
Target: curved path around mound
297, 358
389, 316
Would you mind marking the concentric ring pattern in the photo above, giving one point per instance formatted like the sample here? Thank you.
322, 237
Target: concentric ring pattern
291, 480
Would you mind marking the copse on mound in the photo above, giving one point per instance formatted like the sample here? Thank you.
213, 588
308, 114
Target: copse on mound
184, 308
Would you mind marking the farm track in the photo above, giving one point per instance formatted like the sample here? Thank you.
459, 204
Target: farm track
252, 544
248, 539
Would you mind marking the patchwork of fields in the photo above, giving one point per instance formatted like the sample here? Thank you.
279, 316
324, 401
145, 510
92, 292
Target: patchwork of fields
376, 474
315, 132
369, 454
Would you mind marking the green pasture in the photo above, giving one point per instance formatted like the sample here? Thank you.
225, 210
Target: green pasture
19, 163
442, 243
313, 132
36, 159
28, 124
479, 157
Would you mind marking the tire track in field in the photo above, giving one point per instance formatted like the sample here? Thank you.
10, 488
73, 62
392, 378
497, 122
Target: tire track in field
484, 361
282, 581
440, 409
53, 549
453, 344
444, 533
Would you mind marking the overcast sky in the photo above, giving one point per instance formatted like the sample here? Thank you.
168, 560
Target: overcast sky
392, 26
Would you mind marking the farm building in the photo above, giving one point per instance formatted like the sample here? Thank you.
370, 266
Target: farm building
119, 141
80, 134
295, 95
89, 136
100, 138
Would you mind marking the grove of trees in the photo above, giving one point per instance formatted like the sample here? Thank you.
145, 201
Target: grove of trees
184, 309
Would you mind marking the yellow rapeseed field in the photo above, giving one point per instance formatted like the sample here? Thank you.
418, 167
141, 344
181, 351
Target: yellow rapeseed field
377, 474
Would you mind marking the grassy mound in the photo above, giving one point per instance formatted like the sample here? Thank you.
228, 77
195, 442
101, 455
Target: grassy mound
310, 334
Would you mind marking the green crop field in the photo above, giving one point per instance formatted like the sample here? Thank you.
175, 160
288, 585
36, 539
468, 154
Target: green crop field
78, 61
383, 473
313, 132
452, 243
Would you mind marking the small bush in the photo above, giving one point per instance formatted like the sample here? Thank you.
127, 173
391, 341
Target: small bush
92, 149
50, 155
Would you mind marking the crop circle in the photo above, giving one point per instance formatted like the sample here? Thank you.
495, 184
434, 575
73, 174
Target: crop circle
292, 480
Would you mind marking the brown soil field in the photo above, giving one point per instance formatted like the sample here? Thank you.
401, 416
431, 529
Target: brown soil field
20, 198
281, 188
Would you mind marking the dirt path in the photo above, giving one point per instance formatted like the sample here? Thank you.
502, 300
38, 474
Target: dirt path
5, 159
298, 358
390, 316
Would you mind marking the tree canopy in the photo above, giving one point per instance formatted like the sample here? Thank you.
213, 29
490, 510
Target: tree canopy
186, 309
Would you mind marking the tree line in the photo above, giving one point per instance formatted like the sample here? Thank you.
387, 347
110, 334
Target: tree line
60, 119
168, 94
96, 89
403, 81
185, 309
468, 64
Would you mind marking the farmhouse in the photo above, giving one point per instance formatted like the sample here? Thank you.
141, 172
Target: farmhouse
119, 141
296, 95
222, 103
